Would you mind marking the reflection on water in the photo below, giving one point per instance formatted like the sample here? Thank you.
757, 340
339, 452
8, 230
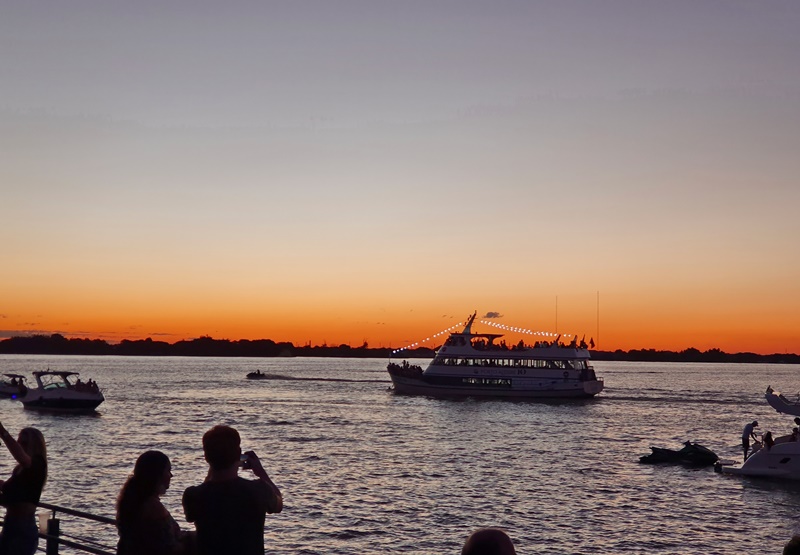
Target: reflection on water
364, 471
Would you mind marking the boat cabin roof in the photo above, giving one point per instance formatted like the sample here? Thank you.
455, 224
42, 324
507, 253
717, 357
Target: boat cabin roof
54, 373
490, 336
15, 376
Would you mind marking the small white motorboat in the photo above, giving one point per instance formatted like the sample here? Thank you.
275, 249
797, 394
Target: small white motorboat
781, 459
56, 391
12, 386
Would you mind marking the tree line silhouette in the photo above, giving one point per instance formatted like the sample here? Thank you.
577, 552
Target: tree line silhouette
205, 346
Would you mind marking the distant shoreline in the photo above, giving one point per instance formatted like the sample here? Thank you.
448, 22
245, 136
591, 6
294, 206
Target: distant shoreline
57, 344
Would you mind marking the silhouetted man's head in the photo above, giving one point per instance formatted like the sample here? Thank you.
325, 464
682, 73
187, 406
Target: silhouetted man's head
222, 447
488, 541
792, 547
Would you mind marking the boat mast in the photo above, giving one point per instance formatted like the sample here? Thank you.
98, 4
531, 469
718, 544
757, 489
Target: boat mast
556, 330
468, 327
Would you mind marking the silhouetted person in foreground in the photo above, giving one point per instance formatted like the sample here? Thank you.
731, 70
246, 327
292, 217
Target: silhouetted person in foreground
21, 492
792, 547
488, 541
144, 524
229, 511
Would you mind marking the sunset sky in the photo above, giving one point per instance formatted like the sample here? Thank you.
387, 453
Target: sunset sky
350, 171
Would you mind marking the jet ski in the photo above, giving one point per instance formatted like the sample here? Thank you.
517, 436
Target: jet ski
692, 454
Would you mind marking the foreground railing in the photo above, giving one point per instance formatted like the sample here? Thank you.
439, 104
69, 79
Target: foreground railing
55, 538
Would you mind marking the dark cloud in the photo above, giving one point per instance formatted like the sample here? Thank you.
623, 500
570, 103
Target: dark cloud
492, 315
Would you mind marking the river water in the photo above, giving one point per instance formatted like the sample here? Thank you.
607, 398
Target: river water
365, 471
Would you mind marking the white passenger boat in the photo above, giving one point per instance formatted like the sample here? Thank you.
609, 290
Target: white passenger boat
12, 386
782, 459
472, 364
62, 391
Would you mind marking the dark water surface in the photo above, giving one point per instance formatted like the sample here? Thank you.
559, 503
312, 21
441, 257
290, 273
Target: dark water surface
365, 471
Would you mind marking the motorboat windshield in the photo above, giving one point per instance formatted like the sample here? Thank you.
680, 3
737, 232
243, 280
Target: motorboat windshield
50, 379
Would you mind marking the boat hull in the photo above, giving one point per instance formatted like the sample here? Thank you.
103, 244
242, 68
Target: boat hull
544, 389
63, 402
781, 461
11, 392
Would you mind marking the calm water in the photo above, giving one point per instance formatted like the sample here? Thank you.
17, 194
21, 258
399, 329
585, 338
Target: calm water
364, 471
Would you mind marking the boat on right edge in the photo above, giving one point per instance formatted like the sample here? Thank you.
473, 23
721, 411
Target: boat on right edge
782, 459
472, 364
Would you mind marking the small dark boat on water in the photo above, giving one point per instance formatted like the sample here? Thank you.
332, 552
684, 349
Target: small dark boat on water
692, 454
257, 375
13, 386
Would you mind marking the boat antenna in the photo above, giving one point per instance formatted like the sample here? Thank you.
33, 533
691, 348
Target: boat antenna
598, 318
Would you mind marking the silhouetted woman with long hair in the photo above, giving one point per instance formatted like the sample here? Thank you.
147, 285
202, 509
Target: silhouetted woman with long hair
21, 492
145, 526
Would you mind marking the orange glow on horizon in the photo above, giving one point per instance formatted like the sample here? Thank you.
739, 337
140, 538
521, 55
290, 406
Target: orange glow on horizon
664, 329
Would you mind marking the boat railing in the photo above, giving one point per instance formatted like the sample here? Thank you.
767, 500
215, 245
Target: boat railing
54, 537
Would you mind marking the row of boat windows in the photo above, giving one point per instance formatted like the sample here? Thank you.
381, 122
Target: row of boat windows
498, 382
510, 363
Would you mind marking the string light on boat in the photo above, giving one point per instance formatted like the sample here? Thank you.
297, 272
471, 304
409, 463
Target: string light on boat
443, 332
524, 330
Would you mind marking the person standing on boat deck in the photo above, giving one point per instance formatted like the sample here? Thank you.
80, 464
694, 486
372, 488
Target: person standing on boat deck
227, 510
747, 434
21, 492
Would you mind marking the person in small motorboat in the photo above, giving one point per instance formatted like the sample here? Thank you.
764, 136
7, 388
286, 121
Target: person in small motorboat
747, 434
767, 440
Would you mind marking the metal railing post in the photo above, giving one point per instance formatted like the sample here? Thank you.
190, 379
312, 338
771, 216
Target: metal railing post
53, 530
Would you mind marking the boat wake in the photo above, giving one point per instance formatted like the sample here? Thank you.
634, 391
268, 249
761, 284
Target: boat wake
315, 379
680, 397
